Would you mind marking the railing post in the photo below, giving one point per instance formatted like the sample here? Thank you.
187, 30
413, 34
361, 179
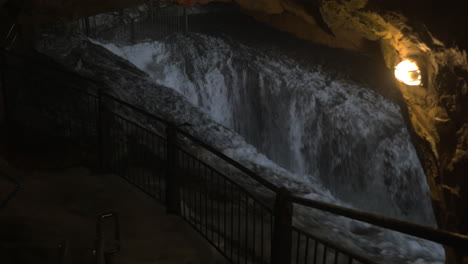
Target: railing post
152, 11
185, 20
456, 255
132, 30
87, 27
281, 244
100, 131
172, 179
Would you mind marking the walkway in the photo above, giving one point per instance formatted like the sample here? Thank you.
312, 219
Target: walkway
61, 201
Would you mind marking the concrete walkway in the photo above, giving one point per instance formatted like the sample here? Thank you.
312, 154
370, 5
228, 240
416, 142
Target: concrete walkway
63, 204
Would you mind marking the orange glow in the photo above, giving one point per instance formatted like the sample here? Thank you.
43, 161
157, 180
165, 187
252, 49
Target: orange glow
408, 72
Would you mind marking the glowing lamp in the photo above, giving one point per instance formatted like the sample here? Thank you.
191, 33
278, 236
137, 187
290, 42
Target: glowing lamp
408, 72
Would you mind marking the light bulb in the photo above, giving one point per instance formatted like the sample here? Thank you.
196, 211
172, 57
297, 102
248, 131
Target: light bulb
408, 72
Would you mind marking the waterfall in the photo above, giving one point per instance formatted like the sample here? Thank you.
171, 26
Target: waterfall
314, 121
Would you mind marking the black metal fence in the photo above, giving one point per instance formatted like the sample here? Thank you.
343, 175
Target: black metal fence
151, 20
169, 164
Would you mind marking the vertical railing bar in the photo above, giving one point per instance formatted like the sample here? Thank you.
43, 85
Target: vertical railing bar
336, 257
126, 152
194, 192
202, 196
91, 119
137, 160
192, 203
200, 176
232, 221
225, 215
141, 151
212, 210
118, 162
202, 193
141, 155
88, 125
152, 162
207, 192
147, 163
157, 147
218, 208
182, 183
158, 171
187, 185
126, 169
181, 170
172, 179
254, 231
239, 218
129, 152
133, 173
195, 189
281, 242
262, 233
298, 246
306, 249
315, 251
134, 154
117, 165
246, 228
200, 206
144, 160
271, 234
88, 28
324, 253
186, 20
162, 190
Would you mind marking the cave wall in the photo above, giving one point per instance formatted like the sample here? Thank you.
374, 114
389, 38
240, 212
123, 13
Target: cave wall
430, 32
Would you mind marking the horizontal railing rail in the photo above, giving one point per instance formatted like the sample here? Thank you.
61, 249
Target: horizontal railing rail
232, 162
131, 149
135, 108
429, 233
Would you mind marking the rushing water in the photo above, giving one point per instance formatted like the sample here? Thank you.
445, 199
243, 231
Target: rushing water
306, 120
311, 119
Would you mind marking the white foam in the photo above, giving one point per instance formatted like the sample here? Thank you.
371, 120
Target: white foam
309, 115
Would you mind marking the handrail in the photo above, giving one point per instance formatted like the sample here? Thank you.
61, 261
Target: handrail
437, 235
234, 163
455, 240
136, 109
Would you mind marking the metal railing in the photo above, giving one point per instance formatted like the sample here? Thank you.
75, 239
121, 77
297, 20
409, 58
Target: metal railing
169, 164
151, 20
